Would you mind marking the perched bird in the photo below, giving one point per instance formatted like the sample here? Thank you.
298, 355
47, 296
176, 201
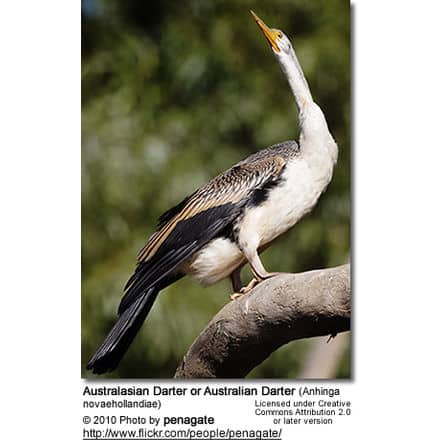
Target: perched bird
224, 224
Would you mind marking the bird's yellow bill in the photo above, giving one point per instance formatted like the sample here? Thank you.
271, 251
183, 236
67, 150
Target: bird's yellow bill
268, 33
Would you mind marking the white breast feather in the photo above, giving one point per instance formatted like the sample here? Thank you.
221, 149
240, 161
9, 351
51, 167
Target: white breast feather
286, 204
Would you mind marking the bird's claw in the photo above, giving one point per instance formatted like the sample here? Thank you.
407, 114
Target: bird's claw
249, 287
244, 290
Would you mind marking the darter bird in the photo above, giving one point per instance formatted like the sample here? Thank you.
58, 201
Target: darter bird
224, 224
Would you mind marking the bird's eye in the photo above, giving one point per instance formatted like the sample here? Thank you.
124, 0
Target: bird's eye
279, 34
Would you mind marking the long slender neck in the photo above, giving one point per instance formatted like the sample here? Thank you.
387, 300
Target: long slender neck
315, 135
297, 81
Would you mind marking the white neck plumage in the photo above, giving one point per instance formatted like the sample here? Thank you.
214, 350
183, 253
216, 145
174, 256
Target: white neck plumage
315, 135
295, 76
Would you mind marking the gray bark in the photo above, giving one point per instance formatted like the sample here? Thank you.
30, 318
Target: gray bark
279, 310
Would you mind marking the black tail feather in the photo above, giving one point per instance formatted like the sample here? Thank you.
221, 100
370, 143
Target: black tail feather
109, 354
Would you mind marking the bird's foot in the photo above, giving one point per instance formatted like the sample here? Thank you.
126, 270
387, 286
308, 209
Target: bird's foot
244, 290
249, 287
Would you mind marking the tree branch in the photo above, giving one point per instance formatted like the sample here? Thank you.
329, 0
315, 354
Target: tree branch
279, 310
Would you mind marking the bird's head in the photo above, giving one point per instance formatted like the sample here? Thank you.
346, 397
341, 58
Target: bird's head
278, 41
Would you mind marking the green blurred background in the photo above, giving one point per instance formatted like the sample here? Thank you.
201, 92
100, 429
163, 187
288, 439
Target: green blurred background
173, 93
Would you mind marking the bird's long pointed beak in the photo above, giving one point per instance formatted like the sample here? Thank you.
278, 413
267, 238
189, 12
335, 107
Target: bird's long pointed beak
268, 33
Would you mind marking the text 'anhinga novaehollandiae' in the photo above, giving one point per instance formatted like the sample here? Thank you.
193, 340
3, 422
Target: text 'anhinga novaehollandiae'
224, 224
